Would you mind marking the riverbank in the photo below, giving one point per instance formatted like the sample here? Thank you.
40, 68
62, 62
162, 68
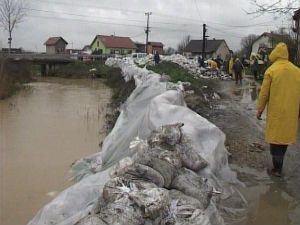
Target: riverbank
12, 75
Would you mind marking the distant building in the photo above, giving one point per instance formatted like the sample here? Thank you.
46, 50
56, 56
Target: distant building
73, 51
86, 48
267, 41
213, 48
12, 50
103, 44
140, 47
154, 47
55, 45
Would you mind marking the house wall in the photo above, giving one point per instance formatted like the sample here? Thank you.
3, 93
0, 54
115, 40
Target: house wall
262, 40
50, 49
121, 51
223, 51
152, 49
98, 45
60, 47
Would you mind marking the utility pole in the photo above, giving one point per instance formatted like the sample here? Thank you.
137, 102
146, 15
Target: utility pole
147, 30
203, 42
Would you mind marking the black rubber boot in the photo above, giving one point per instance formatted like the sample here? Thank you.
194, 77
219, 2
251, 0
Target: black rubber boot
277, 165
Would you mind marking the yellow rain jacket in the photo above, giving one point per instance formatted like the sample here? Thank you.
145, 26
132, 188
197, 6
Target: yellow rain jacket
231, 61
212, 64
281, 92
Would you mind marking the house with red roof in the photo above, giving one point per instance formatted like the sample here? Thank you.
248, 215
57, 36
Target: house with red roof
55, 45
154, 47
103, 44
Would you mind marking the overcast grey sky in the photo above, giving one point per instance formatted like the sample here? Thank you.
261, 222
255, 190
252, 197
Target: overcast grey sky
78, 21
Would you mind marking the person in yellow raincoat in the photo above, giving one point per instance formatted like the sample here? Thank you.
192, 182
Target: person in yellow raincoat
212, 64
230, 70
280, 90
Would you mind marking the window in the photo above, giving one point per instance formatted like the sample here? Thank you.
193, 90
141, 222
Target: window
97, 43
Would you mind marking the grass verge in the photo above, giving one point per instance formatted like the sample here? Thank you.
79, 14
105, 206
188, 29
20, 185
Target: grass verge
80, 69
177, 73
12, 75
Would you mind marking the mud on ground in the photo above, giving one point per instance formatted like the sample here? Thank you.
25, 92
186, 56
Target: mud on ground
235, 114
223, 106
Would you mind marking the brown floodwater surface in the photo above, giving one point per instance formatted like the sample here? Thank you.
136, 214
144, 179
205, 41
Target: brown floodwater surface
43, 130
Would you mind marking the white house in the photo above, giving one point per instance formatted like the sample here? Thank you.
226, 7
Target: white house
55, 45
267, 41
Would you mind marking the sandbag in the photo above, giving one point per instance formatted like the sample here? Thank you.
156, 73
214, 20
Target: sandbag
166, 134
152, 159
152, 202
193, 185
190, 158
91, 220
133, 170
122, 212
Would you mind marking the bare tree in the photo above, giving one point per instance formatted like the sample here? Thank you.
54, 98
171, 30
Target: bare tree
246, 45
12, 13
183, 43
169, 51
282, 7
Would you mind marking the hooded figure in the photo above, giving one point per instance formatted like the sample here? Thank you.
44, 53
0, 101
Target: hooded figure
281, 92
238, 70
231, 72
212, 64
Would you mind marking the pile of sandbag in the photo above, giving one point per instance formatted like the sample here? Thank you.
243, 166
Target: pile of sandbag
192, 66
159, 184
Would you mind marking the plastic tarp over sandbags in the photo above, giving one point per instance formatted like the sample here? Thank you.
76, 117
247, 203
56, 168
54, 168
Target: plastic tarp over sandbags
150, 106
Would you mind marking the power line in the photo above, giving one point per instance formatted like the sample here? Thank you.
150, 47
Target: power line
88, 21
153, 13
101, 17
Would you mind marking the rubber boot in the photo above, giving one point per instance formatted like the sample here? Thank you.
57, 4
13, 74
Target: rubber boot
277, 163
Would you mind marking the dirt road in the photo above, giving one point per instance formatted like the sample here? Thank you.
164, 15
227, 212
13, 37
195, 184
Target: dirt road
276, 199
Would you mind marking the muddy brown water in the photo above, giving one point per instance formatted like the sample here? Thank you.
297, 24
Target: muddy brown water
44, 129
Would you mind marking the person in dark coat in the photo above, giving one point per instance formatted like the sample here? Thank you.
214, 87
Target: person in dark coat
156, 58
255, 68
238, 69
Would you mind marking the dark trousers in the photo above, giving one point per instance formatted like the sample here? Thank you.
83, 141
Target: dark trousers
255, 72
277, 152
238, 77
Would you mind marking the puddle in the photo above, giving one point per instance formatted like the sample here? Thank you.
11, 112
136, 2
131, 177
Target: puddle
269, 201
44, 129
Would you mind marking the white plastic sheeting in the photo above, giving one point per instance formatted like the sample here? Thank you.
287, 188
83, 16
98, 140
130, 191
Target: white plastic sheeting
149, 106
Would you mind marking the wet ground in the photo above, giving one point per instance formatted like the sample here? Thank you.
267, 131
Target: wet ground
44, 128
271, 200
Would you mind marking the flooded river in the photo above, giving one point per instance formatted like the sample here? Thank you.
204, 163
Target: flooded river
43, 130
